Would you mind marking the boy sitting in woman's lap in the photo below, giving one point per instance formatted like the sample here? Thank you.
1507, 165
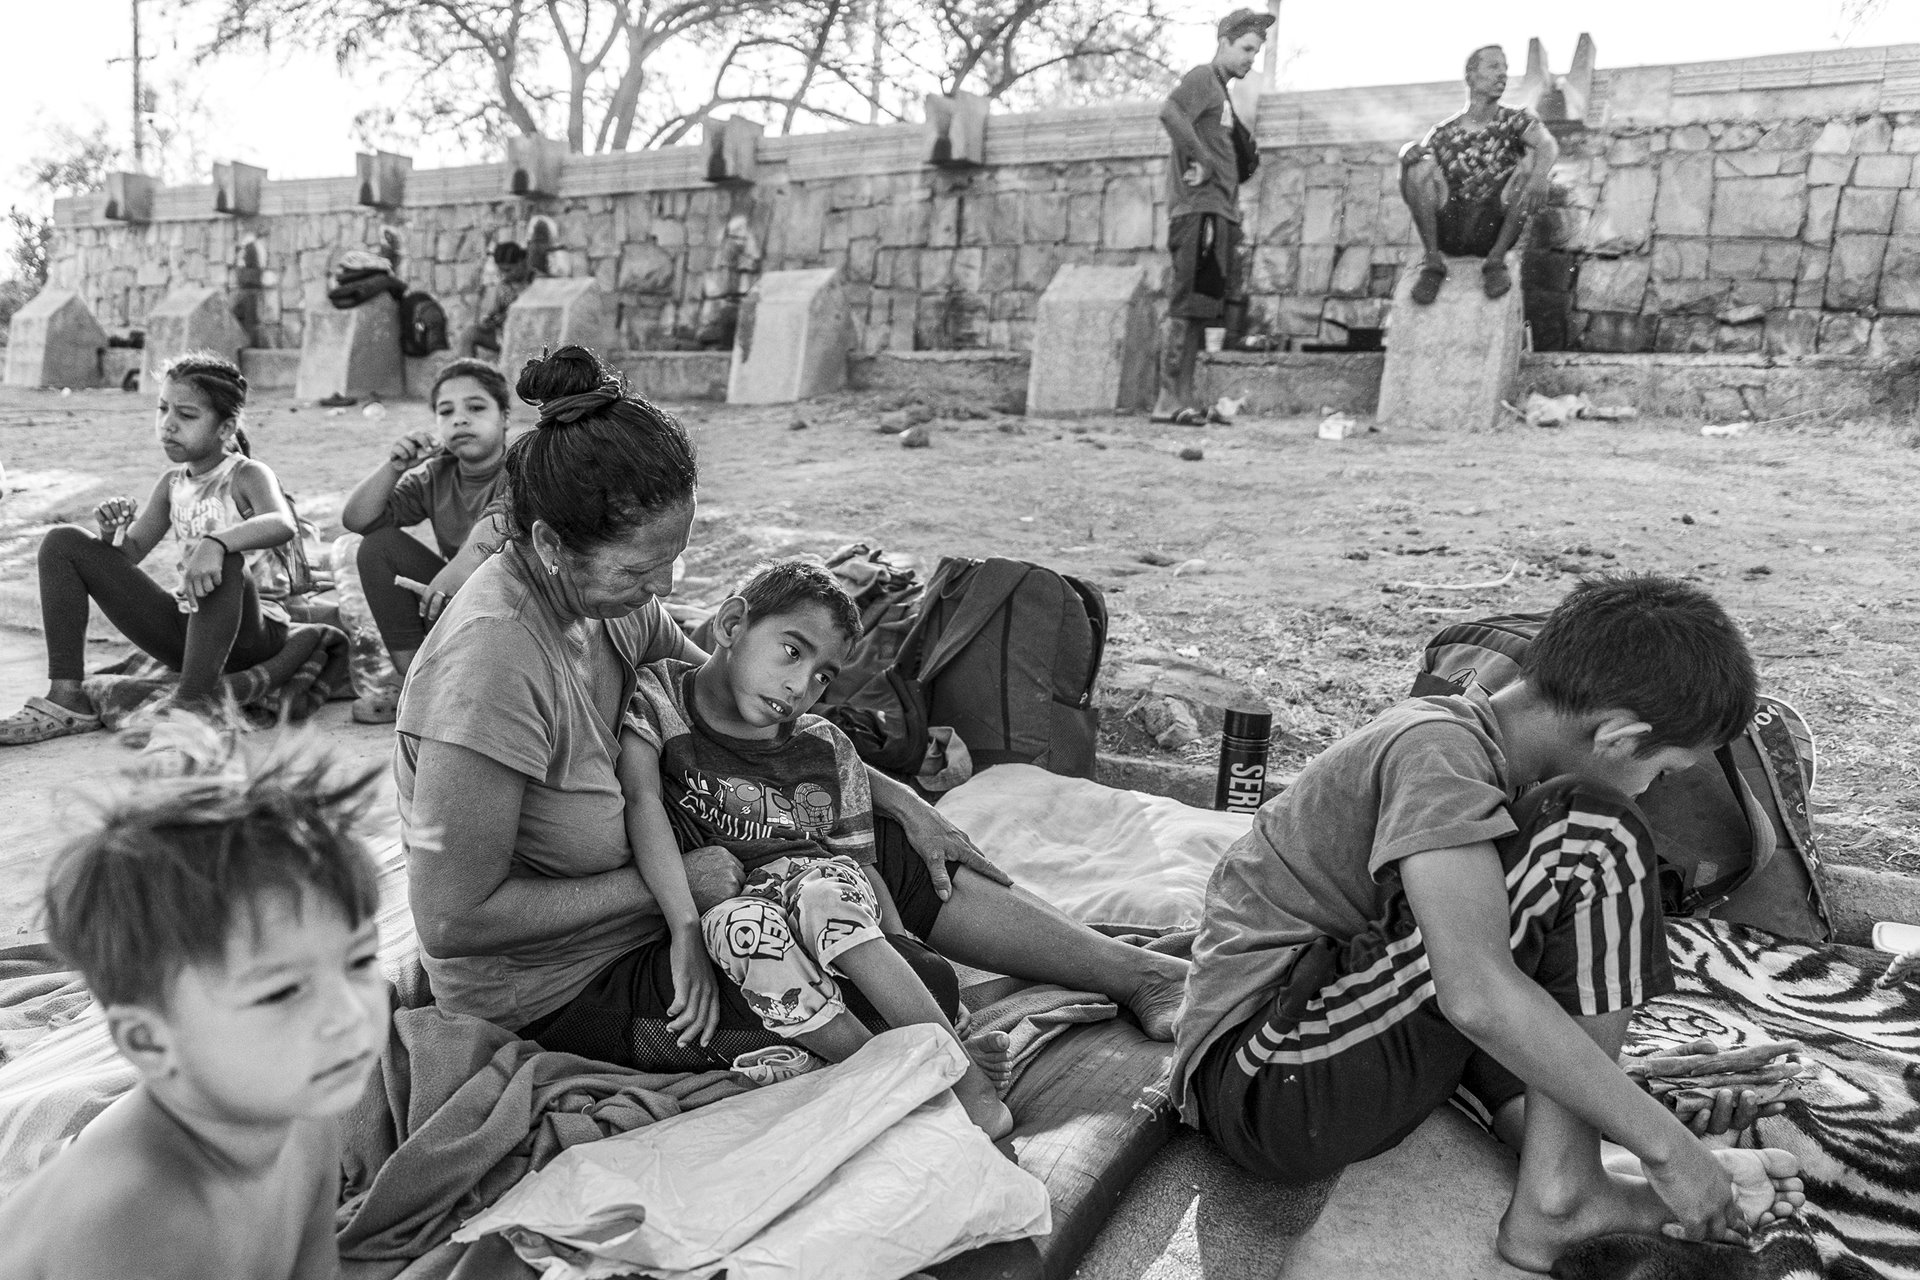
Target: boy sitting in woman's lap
724, 754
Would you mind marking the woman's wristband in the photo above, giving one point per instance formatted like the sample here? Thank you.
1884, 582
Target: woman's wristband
214, 537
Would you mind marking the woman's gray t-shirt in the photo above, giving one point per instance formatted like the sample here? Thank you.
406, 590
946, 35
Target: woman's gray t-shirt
499, 676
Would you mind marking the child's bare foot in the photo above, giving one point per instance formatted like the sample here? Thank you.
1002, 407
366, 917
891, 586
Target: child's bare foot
1765, 1182
1156, 1001
983, 1105
992, 1052
1531, 1236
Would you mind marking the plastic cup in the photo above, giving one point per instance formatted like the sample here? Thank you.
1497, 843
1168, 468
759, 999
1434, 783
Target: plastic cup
1897, 938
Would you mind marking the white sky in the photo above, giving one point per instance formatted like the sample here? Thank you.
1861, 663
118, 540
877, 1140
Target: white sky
293, 112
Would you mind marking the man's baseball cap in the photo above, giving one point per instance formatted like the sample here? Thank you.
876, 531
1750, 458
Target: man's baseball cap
1241, 21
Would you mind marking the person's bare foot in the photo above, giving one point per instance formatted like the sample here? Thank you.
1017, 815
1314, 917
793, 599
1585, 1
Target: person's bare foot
1766, 1182
1531, 1237
1156, 1001
992, 1052
983, 1105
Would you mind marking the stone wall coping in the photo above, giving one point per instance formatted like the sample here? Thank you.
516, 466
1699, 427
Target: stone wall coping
1644, 97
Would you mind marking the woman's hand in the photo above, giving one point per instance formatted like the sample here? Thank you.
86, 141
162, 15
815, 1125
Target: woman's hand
939, 842
114, 515
410, 450
204, 568
694, 1014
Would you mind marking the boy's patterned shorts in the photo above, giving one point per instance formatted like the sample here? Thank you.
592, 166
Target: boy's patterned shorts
778, 939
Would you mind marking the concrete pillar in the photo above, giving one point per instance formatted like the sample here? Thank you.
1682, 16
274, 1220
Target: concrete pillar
792, 340
1093, 343
54, 341
352, 353
552, 313
191, 320
1451, 363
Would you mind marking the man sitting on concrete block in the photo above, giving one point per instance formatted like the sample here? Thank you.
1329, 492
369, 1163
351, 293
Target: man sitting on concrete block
1213, 153
1474, 181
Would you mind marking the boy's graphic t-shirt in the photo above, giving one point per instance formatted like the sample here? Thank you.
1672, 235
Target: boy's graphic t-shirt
800, 794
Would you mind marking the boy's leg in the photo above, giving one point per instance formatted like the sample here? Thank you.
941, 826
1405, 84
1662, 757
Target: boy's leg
753, 942
384, 555
833, 907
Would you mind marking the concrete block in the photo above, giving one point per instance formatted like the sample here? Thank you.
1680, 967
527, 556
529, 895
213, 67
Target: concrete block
1450, 364
129, 198
957, 127
54, 341
552, 313
1853, 273
382, 179
191, 320
1093, 343
533, 166
1624, 219
793, 338
271, 368
732, 149
1611, 284
351, 353
236, 188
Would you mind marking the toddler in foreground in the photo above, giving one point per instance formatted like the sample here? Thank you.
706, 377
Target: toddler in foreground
224, 919
723, 753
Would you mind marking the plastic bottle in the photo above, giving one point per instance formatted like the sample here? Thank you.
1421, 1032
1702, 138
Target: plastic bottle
368, 666
1242, 779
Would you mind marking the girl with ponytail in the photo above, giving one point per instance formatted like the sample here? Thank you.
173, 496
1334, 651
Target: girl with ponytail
224, 508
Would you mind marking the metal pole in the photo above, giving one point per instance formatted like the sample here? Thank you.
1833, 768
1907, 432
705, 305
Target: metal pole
139, 124
1270, 63
873, 105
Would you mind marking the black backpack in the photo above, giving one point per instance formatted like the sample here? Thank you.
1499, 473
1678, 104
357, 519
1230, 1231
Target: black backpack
423, 325
1736, 843
1003, 652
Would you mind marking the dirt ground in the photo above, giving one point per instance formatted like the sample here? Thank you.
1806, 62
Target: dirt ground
1311, 570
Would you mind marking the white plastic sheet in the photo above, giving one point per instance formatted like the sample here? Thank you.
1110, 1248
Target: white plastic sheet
841, 1174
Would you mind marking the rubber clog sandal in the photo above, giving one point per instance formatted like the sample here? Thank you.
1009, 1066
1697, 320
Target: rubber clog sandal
1496, 279
1426, 286
379, 708
1184, 418
42, 721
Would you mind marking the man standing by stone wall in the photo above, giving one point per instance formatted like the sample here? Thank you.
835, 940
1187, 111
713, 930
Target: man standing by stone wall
1213, 153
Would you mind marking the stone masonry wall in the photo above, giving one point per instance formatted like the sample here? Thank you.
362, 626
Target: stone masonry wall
1768, 205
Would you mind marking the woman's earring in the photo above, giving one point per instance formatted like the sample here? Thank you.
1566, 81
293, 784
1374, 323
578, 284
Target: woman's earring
553, 570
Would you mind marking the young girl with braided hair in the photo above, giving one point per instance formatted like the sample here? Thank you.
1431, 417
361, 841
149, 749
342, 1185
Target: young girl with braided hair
225, 509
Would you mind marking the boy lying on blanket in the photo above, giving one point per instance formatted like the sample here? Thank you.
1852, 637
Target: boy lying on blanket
1461, 896
224, 919
724, 754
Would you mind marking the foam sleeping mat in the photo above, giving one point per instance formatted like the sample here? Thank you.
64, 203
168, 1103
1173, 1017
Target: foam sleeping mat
1090, 1112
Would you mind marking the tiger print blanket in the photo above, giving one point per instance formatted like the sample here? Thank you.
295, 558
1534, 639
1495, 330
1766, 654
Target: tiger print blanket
1856, 1128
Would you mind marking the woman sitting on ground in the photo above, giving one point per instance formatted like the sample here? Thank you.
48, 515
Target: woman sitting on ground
527, 901
448, 479
224, 508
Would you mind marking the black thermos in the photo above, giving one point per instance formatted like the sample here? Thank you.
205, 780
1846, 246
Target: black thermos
1243, 760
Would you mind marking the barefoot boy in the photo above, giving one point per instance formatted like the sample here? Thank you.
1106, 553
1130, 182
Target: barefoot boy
724, 754
1461, 895
225, 921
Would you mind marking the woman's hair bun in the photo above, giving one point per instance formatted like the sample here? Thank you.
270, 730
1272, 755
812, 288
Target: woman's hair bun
570, 371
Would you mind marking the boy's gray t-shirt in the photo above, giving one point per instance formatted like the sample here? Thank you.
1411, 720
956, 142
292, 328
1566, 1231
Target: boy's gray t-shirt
1426, 774
498, 676
436, 491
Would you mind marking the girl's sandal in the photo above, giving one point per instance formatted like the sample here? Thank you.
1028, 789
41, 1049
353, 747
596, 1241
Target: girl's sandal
41, 721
